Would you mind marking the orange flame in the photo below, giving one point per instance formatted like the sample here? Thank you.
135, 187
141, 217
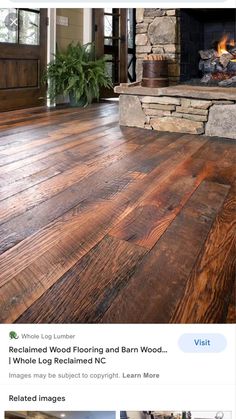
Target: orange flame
222, 44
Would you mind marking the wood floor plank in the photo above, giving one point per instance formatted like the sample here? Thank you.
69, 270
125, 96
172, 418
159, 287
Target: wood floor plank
219, 148
58, 126
8, 191
107, 184
80, 154
52, 159
149, 220
101, 159
51, 116
75, 234
213, 279
14, 162
34, 195
78, 297
158, 284
111, 180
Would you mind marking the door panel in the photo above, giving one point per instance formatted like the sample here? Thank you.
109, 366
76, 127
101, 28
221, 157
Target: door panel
18, 73
22, 64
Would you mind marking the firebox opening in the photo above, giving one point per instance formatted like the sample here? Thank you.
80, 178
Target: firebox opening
209, 31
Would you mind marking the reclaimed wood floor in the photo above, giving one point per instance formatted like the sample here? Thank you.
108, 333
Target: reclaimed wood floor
106, 224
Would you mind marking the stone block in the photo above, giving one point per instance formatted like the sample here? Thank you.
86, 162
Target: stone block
153, 112
139, 69
141, 39
156, 112
156, 106
192, 117
139, 15
148, 20
178, 125
200, 104
222, 121
157, 50
170, 49
163, 30
171, 12
154, 12
141, 28
141, 56
185, 103
131, 113
222, 102
195, 111
163, 107
143, 49
166, 100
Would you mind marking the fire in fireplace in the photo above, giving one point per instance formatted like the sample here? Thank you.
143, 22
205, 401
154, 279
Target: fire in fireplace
208, 46
218, 64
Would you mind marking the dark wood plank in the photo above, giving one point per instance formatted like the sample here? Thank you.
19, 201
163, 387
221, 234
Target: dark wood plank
158, 284
101, 147
12, 125
104, 183
109, 183
35, 195
78, 297
213, 279
152, 216
47, 162
42, 260
8, 166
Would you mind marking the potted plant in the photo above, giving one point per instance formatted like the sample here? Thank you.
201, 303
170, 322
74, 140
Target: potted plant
77, 73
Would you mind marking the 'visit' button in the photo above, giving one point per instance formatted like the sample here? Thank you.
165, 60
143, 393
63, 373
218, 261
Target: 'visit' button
202, 342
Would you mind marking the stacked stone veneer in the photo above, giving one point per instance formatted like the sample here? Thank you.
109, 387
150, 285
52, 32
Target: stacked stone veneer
157, 32
178, 114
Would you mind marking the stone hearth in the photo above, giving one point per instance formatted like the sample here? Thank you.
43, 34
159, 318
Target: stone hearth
181, 108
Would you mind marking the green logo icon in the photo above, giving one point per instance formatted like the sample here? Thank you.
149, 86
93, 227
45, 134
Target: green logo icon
13, 335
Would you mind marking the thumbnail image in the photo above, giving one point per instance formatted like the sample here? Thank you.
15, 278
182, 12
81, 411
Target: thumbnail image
117, 165
59, 415
175, 415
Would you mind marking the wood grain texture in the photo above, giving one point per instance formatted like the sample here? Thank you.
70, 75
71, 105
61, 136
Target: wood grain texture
231, 315
79, 297
149, 220
206, 297
55, 252
101, 223
156, 287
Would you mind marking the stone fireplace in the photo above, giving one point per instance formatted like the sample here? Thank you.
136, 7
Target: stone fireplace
179, 35
188, 105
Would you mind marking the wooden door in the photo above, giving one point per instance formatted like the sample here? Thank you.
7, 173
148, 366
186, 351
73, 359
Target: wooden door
23, 48
114, 37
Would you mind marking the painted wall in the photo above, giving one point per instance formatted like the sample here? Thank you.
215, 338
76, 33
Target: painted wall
74, 30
